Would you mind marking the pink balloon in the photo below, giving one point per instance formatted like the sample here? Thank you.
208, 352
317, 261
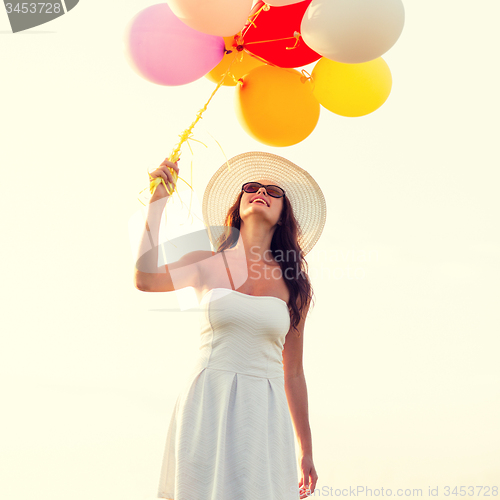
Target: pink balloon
163, 50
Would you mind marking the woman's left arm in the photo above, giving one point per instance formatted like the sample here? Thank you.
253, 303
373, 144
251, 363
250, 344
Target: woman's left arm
296, 393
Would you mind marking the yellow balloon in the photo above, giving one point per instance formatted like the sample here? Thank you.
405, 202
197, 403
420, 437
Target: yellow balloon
276, 106
351, 89
243, 64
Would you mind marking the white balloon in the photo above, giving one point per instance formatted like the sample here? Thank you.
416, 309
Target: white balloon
352, 31
214, 17
282, 3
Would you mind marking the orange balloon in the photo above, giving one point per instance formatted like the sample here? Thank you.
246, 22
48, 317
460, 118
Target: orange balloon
276, 106
243, 64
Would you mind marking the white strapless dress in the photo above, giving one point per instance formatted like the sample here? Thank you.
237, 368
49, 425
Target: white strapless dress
231, 434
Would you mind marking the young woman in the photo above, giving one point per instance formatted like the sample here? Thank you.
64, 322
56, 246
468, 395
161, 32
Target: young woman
230, 435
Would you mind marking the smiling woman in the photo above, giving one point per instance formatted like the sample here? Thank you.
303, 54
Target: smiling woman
233, 421
264, 197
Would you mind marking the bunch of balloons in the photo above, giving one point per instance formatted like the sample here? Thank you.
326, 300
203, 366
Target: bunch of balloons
258, 46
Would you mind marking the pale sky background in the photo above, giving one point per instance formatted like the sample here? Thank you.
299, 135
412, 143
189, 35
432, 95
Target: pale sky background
401, 361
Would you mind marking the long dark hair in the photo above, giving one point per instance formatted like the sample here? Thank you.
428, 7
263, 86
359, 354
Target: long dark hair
283, 243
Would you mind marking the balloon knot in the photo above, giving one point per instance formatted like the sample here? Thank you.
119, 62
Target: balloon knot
239, 48
228, 52
305, 76
266, 7
296, 35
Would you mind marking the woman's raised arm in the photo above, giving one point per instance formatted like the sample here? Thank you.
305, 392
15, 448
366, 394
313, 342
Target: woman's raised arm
148, 276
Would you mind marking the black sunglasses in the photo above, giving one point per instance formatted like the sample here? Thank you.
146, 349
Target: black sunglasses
253, 187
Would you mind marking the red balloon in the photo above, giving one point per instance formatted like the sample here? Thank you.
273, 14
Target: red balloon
279, 22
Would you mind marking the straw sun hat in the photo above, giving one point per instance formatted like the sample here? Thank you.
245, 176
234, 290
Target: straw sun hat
303, 192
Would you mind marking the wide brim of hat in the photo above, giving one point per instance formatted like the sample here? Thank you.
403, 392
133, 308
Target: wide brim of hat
303, 192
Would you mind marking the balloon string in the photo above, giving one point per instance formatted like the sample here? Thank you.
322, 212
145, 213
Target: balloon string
296, 37
223, 152
163, 184
186, 136
250, 22
261, 59
251, 19
306, 76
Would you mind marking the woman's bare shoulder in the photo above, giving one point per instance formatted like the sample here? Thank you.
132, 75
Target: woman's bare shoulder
195, 257
208, 263
203, 254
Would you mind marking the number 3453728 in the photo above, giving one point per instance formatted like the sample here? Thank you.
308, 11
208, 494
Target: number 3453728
34, 8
